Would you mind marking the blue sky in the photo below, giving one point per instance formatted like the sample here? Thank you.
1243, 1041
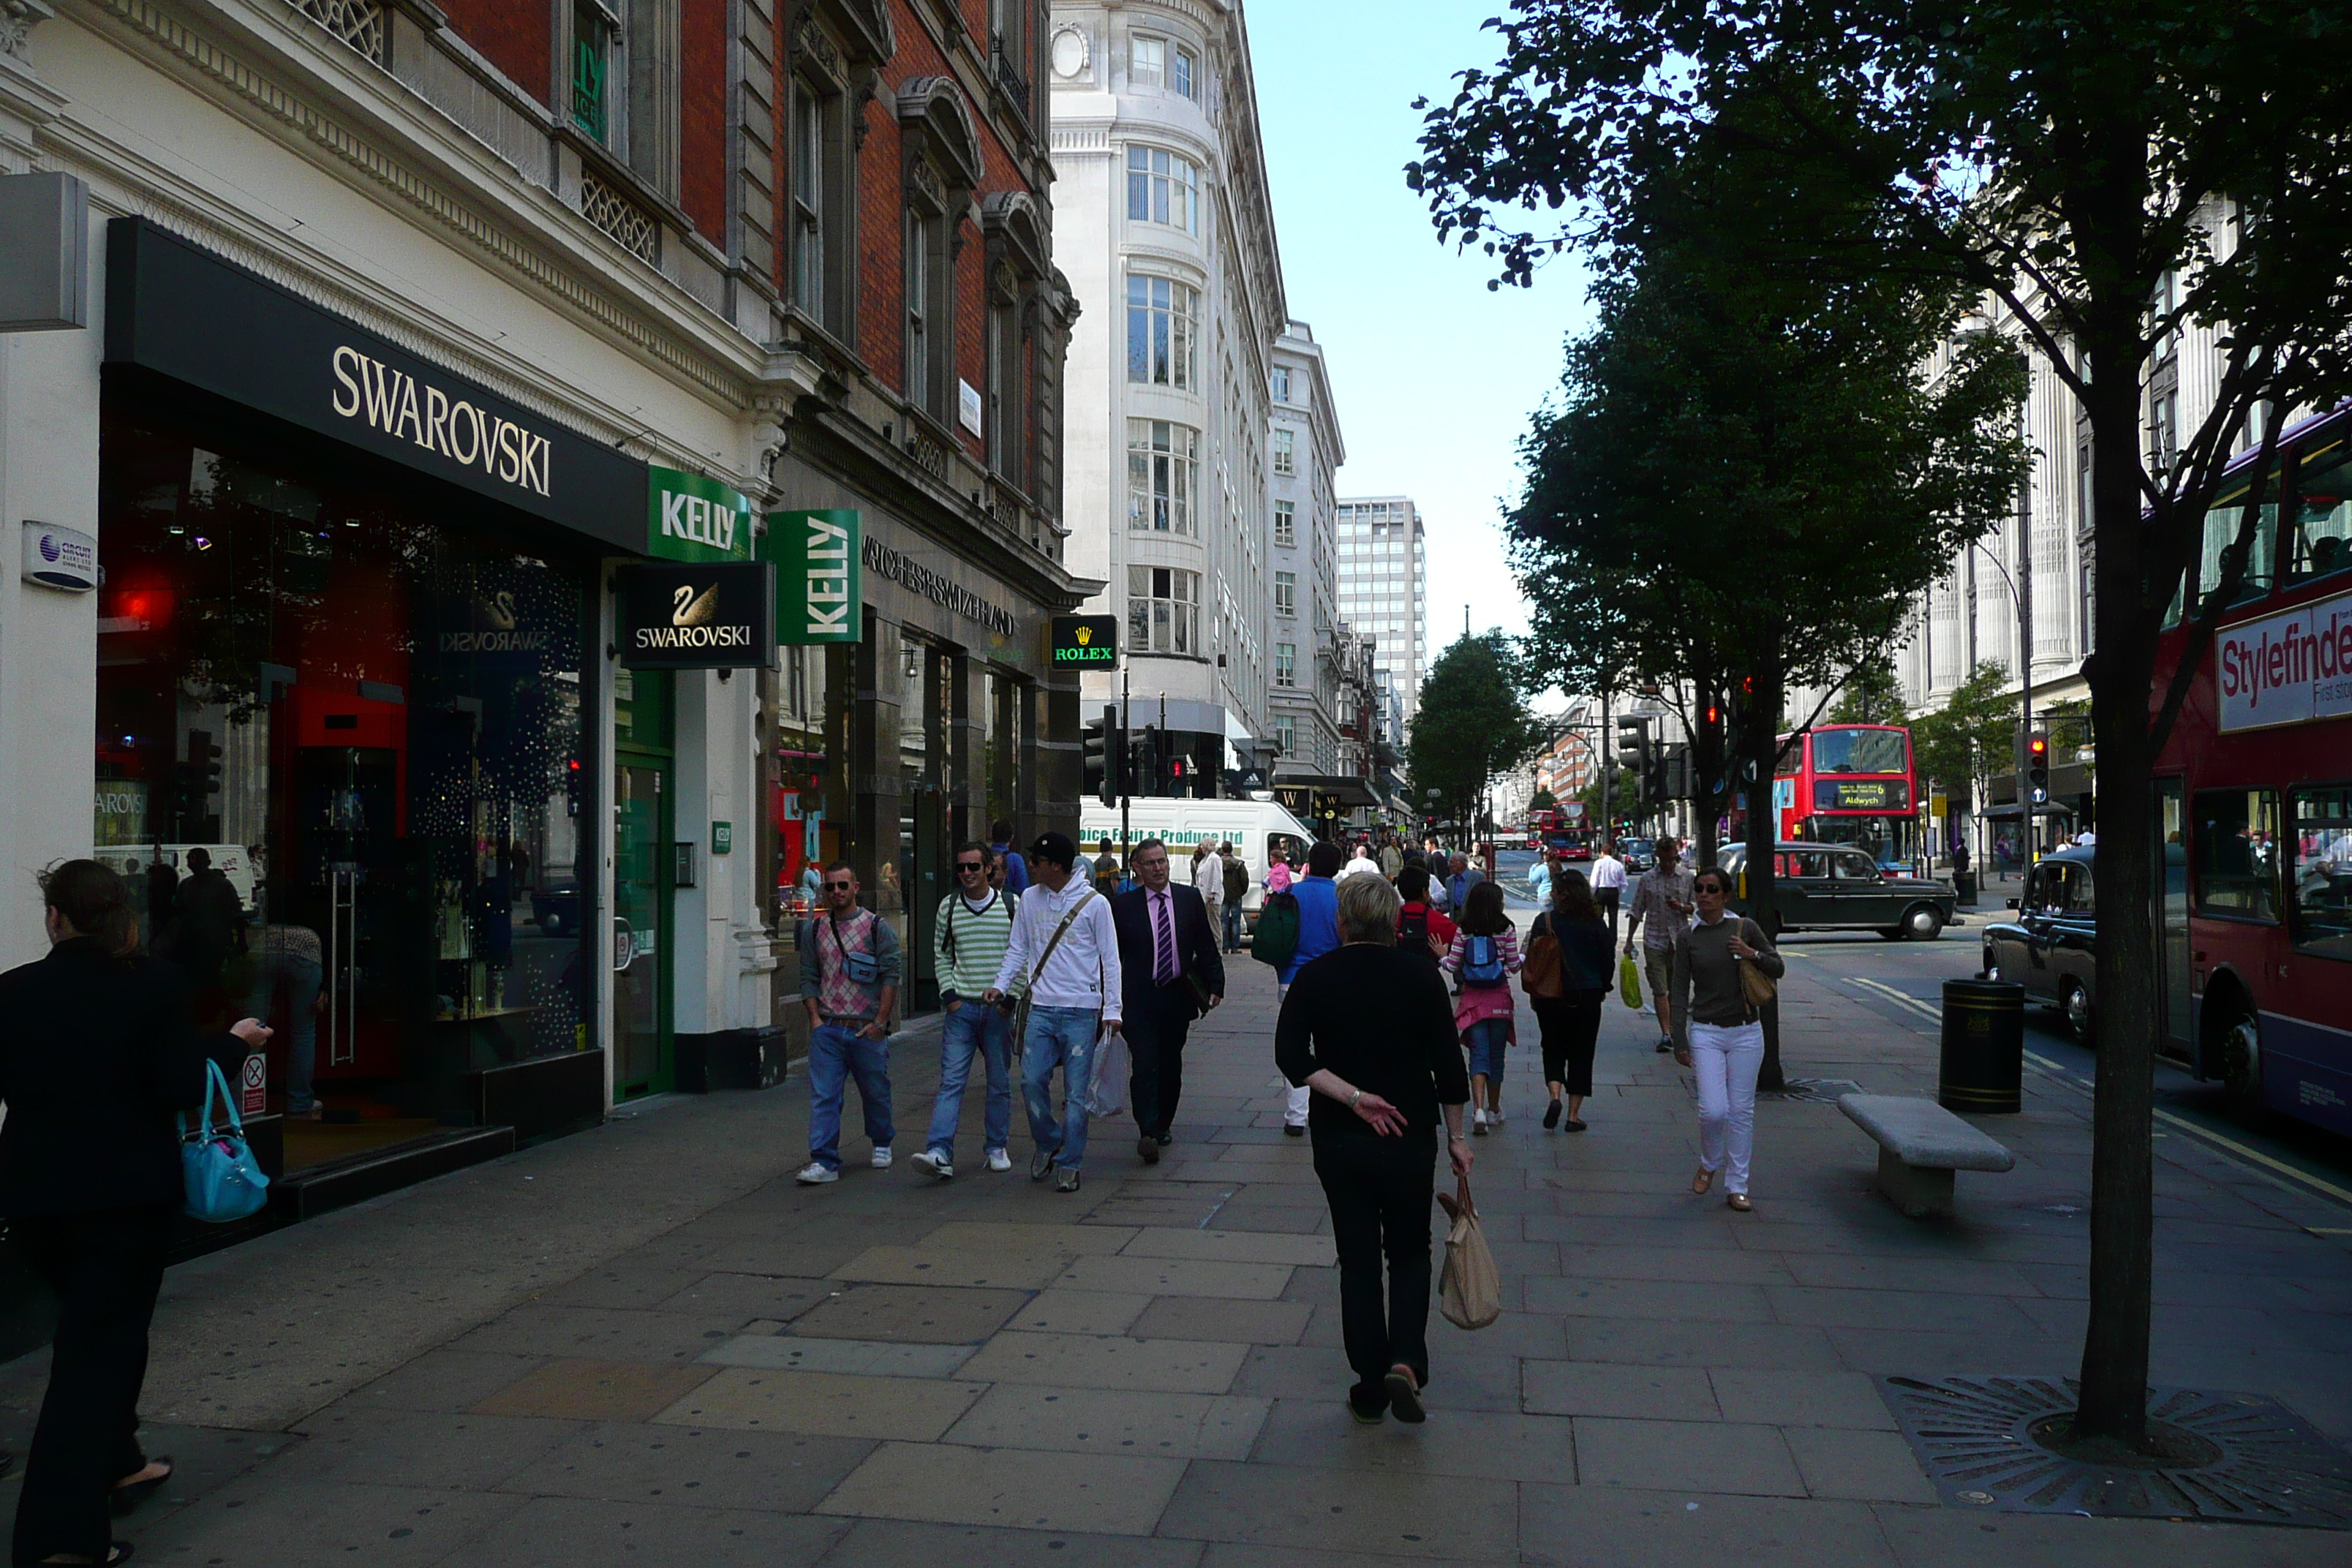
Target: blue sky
1433, 376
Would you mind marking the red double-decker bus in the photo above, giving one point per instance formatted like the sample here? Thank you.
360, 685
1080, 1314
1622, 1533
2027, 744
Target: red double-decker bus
2253, 799
1850, 783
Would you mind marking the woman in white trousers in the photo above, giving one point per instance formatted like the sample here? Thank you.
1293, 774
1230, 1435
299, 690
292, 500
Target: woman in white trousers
1726, 1041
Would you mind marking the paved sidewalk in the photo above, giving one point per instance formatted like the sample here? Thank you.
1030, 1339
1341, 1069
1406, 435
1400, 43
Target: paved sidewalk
644, 1344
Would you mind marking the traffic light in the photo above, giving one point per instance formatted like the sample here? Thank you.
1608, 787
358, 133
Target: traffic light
2037, 765
1095, 744
193, 784
1674, 767
1146, 762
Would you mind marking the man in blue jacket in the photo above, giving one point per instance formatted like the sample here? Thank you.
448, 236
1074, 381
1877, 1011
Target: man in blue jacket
1016, 869
1317, 894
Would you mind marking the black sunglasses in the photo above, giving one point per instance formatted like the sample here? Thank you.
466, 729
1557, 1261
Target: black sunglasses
970, 865
841, 886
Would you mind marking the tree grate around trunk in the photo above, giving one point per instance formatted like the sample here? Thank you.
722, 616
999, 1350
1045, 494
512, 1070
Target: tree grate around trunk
2242, 1457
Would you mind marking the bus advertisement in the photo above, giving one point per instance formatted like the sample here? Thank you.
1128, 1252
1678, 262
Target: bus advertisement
2253, 799
1850, 783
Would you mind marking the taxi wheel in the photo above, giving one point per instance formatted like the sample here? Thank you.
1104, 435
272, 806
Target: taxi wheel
2076, 1004
1923, 923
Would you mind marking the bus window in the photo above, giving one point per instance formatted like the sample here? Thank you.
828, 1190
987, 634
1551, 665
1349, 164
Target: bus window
2322, 889
2322, 541
2237, 853
2221, 531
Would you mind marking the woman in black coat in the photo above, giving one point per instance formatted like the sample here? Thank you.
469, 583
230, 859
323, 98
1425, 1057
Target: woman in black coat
1570, 1021
1370, 1030
98, 1050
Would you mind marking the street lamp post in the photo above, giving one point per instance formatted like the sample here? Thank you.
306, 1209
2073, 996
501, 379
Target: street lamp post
2023, 599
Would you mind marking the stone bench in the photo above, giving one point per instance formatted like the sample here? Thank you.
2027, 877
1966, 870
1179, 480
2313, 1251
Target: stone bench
1920, 1144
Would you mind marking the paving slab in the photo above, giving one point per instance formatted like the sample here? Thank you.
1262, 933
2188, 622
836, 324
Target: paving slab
824, 1403
1782, 1398
1686, 1456
1176, 1276
1028, 1236
1671, 1342
588, 1390
869, 1358
1232, 1246
567, 1532
467, 1452
1603, 1388
1489, 1445
946, 1484
1005, 1270
1056, 1311
926, 1314
304, 1523
1107, 1421
1404, 1514
1219, 1318
1590, 1527
692, 1466
1867, 1467
1087, 1361
907, 1543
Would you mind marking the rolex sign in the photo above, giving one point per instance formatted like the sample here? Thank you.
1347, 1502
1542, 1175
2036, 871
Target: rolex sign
1086, 642
719, 617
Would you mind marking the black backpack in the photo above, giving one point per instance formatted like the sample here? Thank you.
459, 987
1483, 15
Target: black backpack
1412, 934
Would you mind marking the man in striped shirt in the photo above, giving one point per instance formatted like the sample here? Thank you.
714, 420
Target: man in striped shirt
969, 937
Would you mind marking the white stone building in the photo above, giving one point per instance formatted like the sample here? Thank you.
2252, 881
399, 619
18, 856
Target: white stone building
1384, 593
1303, 454
1166, 235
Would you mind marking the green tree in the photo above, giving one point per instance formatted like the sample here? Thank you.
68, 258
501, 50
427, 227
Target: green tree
1973, 735
1748, 477
2111, 171
1542, 800
1473, 723
1871, 695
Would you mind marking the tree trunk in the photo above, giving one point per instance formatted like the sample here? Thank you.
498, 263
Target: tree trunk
2115, 1346
1759, 745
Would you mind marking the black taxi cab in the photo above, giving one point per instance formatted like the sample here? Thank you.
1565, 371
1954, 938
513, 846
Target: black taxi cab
1835, 887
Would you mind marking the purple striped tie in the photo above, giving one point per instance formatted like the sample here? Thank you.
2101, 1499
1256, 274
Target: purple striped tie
1163, 938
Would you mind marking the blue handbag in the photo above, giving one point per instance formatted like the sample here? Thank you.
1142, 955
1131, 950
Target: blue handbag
215, 1163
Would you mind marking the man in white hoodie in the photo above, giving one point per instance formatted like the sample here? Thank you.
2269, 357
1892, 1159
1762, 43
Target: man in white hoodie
1064, 941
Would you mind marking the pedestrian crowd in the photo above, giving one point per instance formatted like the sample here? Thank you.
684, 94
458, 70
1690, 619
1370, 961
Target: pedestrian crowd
1393, 967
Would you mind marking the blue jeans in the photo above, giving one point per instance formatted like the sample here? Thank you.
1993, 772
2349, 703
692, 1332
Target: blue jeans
836, 1053
1233, 925
301, 979
1063, 1037
1485, 1039
967, 1030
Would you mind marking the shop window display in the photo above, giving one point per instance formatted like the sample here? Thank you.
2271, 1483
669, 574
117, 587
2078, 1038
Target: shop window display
340, 751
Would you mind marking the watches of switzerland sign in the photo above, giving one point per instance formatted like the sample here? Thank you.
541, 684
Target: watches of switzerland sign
2287, 668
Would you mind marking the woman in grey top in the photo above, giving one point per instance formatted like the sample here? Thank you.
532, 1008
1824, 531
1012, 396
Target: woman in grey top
1726, 1041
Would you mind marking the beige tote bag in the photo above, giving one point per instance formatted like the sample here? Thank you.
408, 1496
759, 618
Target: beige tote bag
1470, 1290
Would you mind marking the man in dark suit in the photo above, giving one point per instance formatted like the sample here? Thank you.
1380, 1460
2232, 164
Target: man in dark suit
1173, 974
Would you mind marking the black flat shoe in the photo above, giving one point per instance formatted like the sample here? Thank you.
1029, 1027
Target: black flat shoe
1576, 1126
127, 1498
1404, 1395
118, 1552
1551, 1116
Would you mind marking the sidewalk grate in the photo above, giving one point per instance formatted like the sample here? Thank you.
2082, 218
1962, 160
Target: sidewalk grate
2256, 1461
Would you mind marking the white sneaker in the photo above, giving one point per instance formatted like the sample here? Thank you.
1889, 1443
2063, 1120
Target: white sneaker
936, 1164
998, 1160
1494, 1118
882, 1156
816, 1173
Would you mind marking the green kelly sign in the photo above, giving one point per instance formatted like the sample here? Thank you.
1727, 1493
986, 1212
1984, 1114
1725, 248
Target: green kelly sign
695, 519
819, 575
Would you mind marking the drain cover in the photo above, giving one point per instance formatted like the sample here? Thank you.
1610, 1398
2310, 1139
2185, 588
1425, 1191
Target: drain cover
2254, 1460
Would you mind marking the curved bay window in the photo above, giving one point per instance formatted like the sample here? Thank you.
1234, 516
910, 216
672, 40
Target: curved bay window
339, 755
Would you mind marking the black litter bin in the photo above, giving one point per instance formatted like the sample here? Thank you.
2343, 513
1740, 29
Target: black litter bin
1964, 886
1984, 1046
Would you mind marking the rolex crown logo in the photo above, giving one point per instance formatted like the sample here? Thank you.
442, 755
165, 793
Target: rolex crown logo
1086, 635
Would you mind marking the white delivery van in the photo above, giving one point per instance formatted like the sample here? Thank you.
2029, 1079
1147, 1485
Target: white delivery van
1258, 830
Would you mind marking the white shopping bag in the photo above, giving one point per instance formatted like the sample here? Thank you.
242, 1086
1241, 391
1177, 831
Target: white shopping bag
1106, 1095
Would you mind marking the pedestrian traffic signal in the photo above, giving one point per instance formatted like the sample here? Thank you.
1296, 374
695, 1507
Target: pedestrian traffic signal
1147, 762
2037, 765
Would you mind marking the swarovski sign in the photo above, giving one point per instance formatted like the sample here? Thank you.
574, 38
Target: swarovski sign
698, 618
452, 427
175, 313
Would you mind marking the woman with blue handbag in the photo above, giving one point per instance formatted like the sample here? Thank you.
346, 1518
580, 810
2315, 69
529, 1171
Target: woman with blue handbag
99, 1055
